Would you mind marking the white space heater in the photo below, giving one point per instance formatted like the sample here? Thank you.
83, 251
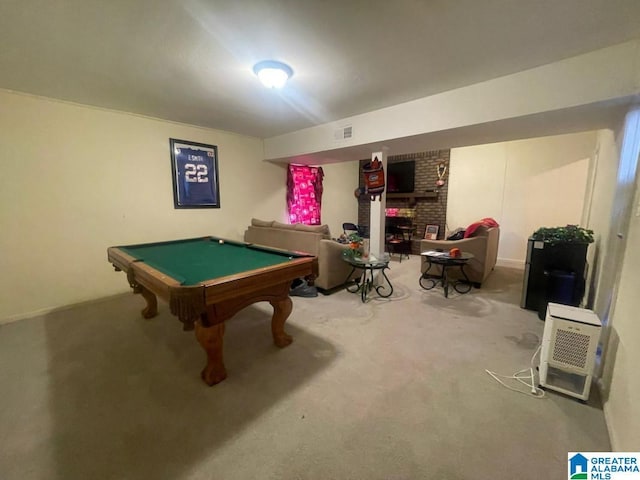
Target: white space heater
568, 353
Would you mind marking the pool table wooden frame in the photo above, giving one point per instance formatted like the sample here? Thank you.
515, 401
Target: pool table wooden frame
207, 305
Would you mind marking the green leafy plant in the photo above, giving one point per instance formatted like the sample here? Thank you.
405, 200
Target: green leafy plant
354, 241
568, 234
354, 238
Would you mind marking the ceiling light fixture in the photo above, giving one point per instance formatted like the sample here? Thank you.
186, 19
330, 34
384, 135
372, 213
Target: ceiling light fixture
273, 74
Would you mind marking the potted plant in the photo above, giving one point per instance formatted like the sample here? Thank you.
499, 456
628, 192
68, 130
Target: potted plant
562, 235
355, 243
556, 267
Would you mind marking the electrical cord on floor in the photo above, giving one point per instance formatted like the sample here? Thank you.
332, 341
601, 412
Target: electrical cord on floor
534, 391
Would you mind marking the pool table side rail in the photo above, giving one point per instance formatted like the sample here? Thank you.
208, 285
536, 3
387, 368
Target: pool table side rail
190, 302
266, 248
139, 273
224, 288
211, 238
282, 251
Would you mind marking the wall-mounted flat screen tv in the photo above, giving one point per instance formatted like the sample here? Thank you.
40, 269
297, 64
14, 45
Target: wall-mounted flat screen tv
401, 177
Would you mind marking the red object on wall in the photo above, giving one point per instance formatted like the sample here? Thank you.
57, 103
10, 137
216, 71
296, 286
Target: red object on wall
304, 194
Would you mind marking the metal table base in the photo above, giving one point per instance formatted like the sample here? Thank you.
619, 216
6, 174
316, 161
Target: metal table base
366, 282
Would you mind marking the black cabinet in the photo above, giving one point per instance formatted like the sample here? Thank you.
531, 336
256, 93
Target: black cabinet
554, 273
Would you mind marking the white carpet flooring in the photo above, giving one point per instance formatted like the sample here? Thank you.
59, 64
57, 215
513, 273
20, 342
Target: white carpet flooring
391, 389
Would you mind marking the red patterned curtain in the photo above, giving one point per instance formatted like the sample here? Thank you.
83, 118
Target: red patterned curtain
304, 194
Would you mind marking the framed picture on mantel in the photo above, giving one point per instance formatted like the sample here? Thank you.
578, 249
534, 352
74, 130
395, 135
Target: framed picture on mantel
431, 232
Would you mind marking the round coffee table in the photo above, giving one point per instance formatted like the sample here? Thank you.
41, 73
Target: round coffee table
446, 261
365, 283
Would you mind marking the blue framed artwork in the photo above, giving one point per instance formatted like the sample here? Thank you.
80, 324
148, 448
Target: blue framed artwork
194, 167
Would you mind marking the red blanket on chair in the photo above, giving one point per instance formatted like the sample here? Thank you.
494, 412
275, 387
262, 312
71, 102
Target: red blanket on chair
485, 222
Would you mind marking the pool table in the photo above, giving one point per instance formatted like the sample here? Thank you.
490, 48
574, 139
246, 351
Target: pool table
208, 280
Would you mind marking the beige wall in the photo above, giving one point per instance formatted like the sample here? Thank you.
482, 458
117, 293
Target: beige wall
76, 180
602, 189
616, 299
523, 184
338, 202
622, 382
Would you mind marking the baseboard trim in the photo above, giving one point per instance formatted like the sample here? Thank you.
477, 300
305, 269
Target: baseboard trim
46, 311
510, 263
613, 439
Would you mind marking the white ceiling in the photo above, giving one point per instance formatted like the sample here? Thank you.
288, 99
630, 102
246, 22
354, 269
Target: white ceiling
190, 61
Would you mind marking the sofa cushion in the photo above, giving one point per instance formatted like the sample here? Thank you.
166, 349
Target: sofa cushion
284, 238
284, 226
323, 229
457, 234
479, 231
261, 223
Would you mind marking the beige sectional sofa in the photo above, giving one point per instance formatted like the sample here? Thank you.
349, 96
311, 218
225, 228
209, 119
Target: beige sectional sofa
483, 245
316, 240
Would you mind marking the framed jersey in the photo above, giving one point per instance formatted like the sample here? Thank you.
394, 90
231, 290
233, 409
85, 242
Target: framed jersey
194, 167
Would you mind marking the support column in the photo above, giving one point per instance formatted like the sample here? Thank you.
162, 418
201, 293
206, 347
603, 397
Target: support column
377, 212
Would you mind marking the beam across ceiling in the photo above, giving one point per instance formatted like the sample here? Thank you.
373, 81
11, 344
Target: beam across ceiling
585, 92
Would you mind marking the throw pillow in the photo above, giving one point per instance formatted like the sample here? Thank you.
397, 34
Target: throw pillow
324, 229
285, 226
261, 223
457, 234
487, 222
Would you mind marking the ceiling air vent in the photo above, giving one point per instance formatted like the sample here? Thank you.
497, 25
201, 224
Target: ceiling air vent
343, 133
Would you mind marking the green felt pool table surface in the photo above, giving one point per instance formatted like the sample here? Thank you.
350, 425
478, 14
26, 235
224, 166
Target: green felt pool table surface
197, 260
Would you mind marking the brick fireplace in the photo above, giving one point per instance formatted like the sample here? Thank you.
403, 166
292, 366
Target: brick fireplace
428, 200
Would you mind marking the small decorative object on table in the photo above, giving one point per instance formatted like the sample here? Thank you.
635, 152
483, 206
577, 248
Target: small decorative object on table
355, 245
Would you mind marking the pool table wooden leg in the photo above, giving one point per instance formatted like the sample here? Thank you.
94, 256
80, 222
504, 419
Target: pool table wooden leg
210, 338
281, 311
151, 310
